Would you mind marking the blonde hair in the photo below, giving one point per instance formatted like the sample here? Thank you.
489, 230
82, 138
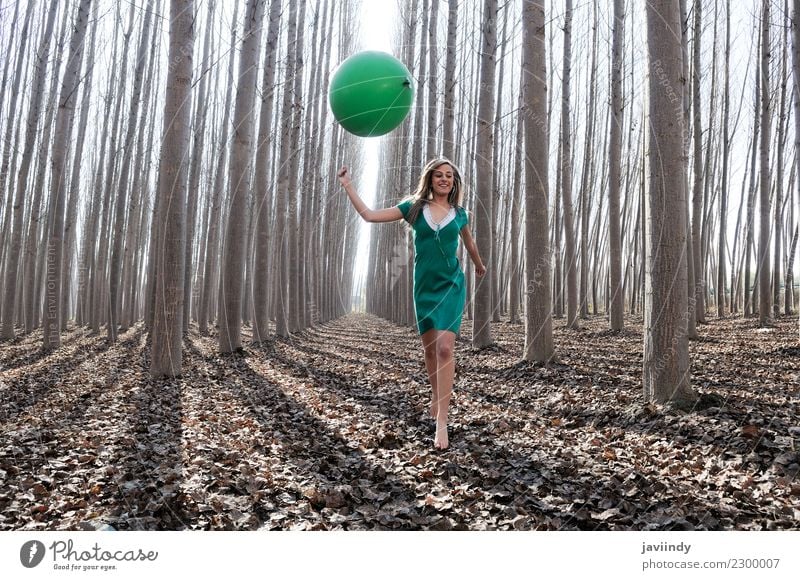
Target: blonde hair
425, 187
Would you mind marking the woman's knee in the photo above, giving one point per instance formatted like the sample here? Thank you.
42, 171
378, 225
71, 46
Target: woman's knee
430, 351
444, 350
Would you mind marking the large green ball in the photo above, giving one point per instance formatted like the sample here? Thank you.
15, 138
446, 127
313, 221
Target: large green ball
370, 93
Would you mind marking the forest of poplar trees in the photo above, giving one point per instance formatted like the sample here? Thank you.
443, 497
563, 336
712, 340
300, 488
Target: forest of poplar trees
182, 273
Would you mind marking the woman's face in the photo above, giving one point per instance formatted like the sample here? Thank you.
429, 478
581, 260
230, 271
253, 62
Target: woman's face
442, 179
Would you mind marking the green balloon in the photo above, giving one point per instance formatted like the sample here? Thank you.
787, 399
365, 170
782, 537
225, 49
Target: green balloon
370, 93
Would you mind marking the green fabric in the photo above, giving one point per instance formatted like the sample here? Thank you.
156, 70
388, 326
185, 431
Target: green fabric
439, 287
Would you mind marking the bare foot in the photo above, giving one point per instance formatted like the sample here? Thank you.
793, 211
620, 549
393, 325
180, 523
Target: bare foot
441, 441
434, 410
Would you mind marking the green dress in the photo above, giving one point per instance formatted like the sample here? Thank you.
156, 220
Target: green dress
439, 288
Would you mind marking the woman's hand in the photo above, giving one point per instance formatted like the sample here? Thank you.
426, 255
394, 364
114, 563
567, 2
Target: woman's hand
344, 177
480, 270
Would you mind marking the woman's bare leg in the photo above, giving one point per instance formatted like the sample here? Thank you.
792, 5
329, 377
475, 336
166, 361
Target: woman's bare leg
445, 344
429, 344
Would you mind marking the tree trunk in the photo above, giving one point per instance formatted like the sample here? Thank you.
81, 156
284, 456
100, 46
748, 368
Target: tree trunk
566, 176
723, 201
666, 346
538, 315
64, 120
778, 223
586, 182
230, 323
122, 201
193, 192
764, 294
167, 333
282, 247
448, 111
12, 264
751, 195
212, 251
481, 329
697, 297
796, 80
614, 241
261, 282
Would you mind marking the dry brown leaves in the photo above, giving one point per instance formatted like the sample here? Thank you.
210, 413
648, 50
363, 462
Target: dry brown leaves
328, 431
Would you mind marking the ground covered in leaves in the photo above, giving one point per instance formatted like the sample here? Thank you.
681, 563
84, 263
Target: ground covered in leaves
329, 431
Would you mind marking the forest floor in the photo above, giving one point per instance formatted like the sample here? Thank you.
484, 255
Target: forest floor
328, 431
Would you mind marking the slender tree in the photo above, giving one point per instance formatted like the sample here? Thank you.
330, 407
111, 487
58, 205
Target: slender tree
723, 194
538, 315
615, 152
666, 347
216, 203
122, 204
261, 283
64, 121
282, 246
481, 330
566, 175
232, 276
167, 332
698, 295
796, 80
12, 263
764, 294
448, 111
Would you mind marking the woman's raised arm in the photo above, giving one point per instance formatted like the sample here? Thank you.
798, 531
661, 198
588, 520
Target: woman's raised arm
389, 214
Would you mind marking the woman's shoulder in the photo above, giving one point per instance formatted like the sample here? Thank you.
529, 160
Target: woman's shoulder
405, 205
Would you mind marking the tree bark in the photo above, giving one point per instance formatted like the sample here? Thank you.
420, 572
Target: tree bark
122, 200
538, 315
167, 333
448, 111
614, 241
261, 282
481, 329
566, 175
764, 294
666, 346
12, 264
230, 322
55, 247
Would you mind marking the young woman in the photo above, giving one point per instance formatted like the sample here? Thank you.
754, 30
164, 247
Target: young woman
437, 219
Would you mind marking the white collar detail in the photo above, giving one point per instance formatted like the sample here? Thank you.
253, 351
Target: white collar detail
451, 215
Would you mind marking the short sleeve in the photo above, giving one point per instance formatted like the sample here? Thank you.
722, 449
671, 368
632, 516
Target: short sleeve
464, 217
404, 207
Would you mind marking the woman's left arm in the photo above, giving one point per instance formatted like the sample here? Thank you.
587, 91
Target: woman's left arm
472, 249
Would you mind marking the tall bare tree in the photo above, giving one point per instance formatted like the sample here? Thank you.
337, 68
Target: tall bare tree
481, 330
566, 175
698, 297
764, 294
448, 110
167, 330
538, 314
615, 152
261, 283
666, 346
212, 253
232, 277
64, 122
282, 246
122, 204
796, 92
723, 194
34, 110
